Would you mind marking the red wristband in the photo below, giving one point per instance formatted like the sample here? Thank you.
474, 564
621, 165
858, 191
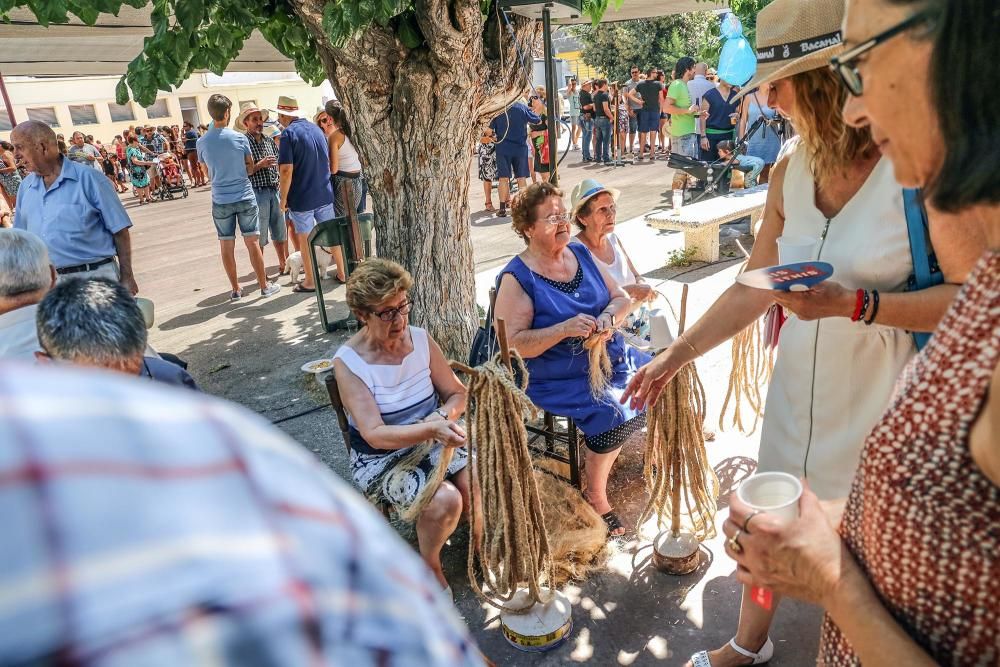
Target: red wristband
857, 307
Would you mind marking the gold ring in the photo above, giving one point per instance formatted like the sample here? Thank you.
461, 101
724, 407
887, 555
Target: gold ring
734, 542
746, 523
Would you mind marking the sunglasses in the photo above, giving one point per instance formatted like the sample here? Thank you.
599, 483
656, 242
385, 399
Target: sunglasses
389, 314
845, 65
324, 121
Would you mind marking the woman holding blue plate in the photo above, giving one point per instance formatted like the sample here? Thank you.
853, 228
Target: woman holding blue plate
847, 340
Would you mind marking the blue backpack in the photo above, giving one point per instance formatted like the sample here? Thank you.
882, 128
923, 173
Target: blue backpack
926, 272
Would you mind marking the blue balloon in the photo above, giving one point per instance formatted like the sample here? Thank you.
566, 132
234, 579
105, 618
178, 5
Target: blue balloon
737, 62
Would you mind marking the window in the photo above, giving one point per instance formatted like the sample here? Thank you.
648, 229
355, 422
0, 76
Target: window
158, 109
46, 115
121, 112
83, 114
189, 110
5, 125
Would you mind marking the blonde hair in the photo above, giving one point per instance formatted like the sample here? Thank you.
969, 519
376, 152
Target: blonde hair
832, 144
374, 281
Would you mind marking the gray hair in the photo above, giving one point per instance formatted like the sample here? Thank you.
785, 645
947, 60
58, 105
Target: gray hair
24, 263
94, 320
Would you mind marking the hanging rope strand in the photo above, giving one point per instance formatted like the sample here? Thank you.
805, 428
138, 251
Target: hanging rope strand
513, 550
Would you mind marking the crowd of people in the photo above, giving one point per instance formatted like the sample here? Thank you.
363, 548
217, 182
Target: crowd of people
894, 435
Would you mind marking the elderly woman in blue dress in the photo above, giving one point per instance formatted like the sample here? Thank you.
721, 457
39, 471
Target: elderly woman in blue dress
400, 392
553, 297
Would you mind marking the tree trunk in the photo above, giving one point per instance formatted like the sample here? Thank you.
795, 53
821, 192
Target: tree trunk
415, 116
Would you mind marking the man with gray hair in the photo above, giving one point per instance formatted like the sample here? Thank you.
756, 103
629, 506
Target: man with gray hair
74, 208
97, 323
25, 277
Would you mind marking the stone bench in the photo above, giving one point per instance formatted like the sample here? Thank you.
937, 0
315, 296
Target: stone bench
700, 222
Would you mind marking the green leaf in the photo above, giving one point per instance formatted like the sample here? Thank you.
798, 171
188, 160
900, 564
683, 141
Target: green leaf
409, 31
189, 13
121, 91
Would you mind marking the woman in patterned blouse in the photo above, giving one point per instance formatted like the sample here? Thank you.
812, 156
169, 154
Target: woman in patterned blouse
911, 578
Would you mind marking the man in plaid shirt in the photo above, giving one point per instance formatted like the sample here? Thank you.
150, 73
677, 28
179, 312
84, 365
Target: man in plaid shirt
264, 179
145, 525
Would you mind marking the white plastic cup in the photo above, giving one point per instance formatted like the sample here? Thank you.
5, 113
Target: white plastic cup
678, 200
792, 249
776, 493
660, 336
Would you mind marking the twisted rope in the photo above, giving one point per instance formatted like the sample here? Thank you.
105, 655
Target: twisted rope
513, 550
675, 465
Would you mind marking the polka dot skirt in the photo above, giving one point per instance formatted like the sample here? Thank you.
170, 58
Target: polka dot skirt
922, 520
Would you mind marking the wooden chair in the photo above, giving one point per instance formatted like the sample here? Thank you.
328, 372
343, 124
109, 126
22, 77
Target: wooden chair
345, 429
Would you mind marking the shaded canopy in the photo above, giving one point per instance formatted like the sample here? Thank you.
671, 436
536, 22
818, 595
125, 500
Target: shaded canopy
106, 48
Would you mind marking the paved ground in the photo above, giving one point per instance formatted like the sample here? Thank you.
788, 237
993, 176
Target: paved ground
250, 352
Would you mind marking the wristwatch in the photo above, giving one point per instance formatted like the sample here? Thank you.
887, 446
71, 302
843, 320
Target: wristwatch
444, 415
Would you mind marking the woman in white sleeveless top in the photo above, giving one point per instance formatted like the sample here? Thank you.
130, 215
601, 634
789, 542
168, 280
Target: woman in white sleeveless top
833, 376
399, 392
593, 210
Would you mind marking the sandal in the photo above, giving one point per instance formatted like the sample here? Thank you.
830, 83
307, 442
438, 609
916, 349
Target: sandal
700, 659
299, 289
489, 207
614, 523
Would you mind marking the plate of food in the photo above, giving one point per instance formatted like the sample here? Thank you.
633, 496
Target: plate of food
797, 277
318, 366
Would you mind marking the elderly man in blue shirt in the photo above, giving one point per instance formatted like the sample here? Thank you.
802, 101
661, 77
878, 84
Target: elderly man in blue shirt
73, 208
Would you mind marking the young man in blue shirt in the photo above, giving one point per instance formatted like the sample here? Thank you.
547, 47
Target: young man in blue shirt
227, 154
304, 181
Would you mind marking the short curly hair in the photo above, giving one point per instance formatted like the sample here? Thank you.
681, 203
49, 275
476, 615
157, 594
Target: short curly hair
374, 281
523, 210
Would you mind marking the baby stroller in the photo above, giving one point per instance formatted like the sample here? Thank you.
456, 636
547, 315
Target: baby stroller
711, 178
171, 178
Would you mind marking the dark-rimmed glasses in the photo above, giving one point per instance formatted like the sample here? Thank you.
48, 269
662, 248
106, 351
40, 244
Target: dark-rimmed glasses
845, 64
389, 314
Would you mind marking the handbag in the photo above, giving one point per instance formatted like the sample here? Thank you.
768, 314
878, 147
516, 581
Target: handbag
926, 271
484, 343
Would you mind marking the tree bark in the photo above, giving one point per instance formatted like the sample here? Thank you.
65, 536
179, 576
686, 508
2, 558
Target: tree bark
416, 115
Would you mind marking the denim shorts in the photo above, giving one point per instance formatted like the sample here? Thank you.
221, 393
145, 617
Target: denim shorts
271, 220
649, 121
304, 221
226, 217
512, 161
633, 121
686, 145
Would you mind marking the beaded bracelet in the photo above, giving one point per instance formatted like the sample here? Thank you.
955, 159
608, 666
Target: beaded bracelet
866, 297
871, 319
860, 294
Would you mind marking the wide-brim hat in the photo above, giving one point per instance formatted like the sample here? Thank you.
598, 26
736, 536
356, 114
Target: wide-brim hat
289, 106
246, 109
586, 190
795, 36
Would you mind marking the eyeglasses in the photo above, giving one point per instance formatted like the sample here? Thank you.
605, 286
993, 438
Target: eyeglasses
845, 64
324, 121
556, 219
389, 314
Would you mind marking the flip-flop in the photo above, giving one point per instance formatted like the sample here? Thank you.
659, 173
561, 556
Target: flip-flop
299, 289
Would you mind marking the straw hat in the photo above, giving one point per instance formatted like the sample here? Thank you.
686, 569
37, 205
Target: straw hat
247, 108
795, 36
289, 106
584, 191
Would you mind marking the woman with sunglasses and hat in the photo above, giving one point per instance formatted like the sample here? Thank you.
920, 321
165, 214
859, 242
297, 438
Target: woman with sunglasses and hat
840, 353
553, 297
399, 392
909, 574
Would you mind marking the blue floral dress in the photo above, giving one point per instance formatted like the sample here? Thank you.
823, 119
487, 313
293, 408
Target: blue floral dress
559, 377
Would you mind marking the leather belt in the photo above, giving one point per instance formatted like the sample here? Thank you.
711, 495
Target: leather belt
80, 268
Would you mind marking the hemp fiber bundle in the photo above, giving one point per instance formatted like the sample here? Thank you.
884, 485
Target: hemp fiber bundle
675, 466
600, 364
409, 463
752, 366
578, 536
514, 548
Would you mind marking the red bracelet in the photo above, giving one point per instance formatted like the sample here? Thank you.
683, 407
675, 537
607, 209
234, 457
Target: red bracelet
857, 307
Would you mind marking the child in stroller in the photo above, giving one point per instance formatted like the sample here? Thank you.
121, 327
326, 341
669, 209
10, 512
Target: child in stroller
172, 178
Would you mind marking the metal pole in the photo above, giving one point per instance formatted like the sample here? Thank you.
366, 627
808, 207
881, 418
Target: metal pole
551, 90
6, 101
